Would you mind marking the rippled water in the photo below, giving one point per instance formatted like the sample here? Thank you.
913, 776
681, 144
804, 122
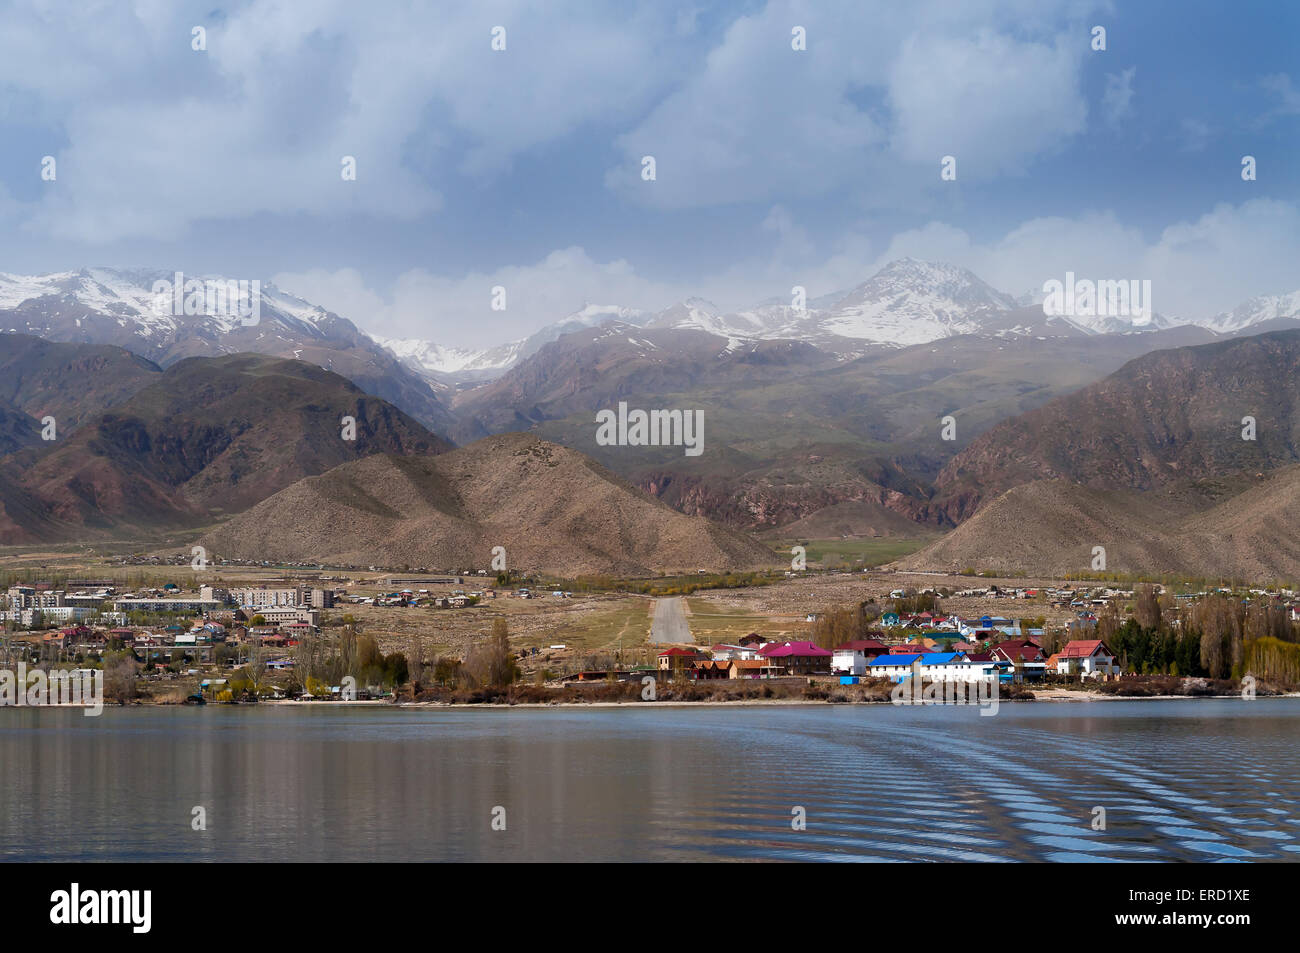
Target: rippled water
1193, 780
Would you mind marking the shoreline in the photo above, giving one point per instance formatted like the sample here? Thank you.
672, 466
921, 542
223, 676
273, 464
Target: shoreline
789, 702
1055, 697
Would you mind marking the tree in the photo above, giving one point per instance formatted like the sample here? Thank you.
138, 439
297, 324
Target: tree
368, 666
119, 677
492, 663
846, 624
446, 671
1148, 607
254, 671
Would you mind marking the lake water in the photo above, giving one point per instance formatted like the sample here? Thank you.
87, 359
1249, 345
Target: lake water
1179, 780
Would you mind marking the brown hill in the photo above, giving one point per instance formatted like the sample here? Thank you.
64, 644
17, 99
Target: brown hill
1204, 531
67, 381
791, 429
209, 436
1166, 418
552, 508
850, 519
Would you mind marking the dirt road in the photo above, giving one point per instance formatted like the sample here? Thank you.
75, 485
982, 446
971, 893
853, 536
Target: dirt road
669, 625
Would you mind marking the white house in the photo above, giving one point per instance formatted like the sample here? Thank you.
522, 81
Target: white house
1087, 657
852, 658
723, 652
933, 667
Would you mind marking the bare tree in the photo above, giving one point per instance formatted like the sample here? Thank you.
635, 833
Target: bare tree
1148, 607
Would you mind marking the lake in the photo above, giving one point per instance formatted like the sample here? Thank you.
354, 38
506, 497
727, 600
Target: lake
1187, 780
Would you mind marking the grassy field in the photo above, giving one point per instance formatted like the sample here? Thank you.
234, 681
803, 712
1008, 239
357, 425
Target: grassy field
853, 553
713, 622
622, 626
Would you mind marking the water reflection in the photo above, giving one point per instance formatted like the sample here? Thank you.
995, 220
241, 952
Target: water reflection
1196, 780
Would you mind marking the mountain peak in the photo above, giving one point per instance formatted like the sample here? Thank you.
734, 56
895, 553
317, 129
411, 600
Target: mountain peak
1255, 311
909, 301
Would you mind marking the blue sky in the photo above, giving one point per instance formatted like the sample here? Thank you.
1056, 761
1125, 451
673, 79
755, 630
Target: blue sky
775, 167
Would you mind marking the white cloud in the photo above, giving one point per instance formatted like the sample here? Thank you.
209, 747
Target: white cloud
161, 136
881, 93
1197, 268
457, 310
994, 102
1286, 95
1117, 100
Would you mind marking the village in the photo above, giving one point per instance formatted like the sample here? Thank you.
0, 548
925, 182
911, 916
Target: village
271, 638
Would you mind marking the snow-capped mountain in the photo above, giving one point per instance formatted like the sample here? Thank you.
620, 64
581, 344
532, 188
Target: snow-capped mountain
431, 358
462, 364
1255, 311
913, 302
133, 302
139, 311
906, 302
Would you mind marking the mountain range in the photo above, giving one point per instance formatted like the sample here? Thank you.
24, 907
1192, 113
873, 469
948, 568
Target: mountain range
820, 418
906, 302
120, 307
1165, 418
1183, 461
99, 444
196, 441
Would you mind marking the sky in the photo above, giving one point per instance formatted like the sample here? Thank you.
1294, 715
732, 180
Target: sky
523, 167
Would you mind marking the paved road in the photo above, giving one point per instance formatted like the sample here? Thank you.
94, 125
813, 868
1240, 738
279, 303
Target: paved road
669, 624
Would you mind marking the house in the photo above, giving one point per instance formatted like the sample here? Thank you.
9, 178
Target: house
599, 675
677, 659
798, 658
709, 669
753, 639
894, 666
934, 666
1021, 657
196, 645
950, 667
851, 658
1017, 650
753, 668
1087, 657
296, 630
912, 648
725, 653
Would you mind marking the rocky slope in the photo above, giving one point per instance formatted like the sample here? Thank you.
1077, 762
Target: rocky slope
1214, 531
551, 508
208, 437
